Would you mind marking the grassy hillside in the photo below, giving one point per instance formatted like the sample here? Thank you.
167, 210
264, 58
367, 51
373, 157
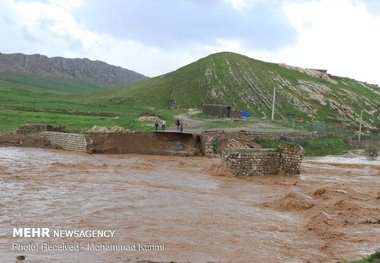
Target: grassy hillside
25, 99
247, 84
19, 91
226, 78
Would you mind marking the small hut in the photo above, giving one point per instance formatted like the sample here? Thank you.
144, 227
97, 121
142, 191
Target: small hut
220, 111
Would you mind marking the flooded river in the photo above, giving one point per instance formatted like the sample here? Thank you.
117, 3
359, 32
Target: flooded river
183, 209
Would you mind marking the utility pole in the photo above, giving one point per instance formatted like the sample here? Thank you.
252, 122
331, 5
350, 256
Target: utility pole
273, 103
360, 127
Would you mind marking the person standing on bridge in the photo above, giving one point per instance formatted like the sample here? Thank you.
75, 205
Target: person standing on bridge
163, 125
156, 123
177, 123
181, 126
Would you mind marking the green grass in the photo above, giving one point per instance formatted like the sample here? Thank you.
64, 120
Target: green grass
268, 143
11, 119
374, 258
35, 100
44, 84
327, 145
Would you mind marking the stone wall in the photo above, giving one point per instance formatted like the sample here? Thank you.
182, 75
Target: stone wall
249, 162
66, 141
291, 157
286, 159
220, 111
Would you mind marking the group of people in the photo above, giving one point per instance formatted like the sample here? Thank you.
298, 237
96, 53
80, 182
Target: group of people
158, 123
178, 124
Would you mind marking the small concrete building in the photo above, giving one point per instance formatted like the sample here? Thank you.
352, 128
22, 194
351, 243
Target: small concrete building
220, 111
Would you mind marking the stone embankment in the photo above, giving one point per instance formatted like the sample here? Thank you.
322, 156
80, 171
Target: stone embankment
290, 158
286, 159
66, 141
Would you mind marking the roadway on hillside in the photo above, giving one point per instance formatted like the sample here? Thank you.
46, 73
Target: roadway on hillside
197, 126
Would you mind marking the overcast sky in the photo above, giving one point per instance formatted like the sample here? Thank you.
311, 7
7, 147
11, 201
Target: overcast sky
154, 37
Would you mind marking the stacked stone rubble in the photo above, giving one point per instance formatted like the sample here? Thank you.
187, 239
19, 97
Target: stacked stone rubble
249, 162
291, 157
66, 141
285, 159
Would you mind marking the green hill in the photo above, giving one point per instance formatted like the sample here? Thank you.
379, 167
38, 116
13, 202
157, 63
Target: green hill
23, 90
247, 84
27, 99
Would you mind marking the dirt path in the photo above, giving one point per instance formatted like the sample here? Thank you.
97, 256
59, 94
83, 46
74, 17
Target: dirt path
197, 126
190, 125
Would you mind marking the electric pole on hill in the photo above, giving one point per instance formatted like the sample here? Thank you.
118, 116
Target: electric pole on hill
273, 103
360, 127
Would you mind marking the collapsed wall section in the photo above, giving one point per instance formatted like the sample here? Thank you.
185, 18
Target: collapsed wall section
160, 143
286, 159
250, 162
66, 141
291, 157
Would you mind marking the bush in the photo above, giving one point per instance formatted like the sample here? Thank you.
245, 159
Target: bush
215, 144
374, 258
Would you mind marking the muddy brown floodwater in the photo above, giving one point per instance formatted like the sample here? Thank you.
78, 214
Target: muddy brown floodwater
330, 212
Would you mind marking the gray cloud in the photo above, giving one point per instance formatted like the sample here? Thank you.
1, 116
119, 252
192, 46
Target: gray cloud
169, 23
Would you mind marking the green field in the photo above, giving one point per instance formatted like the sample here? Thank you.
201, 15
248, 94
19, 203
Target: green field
326, 145
53, 102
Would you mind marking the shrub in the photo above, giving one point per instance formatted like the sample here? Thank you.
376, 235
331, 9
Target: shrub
215, 144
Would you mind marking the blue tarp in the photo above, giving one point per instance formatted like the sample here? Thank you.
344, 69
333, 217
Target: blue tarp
245, 114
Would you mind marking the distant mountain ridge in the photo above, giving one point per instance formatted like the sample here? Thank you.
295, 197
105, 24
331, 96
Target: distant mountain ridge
83, 70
